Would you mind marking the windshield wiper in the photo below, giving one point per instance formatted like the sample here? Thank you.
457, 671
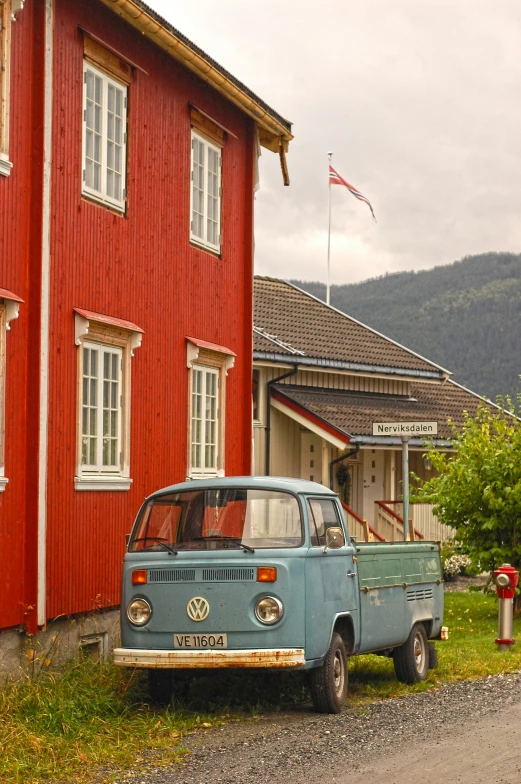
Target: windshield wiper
241, 544
158, 541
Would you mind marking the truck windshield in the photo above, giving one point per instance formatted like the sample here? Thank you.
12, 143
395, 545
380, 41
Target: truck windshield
219, 519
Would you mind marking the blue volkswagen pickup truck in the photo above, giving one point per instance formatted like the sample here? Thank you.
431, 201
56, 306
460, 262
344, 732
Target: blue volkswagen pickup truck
256, 572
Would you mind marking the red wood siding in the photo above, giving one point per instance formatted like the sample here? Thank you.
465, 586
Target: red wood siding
20, 227
142, 268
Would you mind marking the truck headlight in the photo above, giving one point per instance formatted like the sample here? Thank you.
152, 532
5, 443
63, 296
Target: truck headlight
139, 612
269, 610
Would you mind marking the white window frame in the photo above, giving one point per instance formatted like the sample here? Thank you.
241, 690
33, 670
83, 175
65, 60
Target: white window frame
212, 468
8, 312
94, 411
8, 9
120, 341
201, 355
208, 148
102, 195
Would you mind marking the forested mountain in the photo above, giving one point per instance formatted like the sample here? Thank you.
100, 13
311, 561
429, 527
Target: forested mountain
464, 316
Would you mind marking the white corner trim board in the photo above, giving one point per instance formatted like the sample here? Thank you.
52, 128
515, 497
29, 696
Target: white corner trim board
45, 314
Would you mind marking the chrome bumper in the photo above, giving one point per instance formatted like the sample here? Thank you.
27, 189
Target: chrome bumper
208, 659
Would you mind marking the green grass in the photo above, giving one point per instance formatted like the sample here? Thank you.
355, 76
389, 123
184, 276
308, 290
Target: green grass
89, 718
470, 652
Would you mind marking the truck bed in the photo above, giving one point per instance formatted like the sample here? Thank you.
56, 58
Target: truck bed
401, 583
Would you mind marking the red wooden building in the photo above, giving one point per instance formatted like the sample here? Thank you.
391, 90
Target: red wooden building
128, 163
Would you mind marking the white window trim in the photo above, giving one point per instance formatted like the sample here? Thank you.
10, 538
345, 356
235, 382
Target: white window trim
91, 193
8, 312
8, 10
203, 241
105, 332
205, 472
202, 355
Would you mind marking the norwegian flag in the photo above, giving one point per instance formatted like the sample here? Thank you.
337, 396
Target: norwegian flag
336, 179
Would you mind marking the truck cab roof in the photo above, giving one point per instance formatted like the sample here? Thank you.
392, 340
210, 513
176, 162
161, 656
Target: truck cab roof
280, 483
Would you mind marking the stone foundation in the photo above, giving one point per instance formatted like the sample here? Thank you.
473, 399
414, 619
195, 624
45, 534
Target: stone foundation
95, 634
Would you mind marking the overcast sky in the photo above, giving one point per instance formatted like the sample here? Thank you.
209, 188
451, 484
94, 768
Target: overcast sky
419, 100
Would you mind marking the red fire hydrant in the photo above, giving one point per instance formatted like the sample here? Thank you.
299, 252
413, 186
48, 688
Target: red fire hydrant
506, 579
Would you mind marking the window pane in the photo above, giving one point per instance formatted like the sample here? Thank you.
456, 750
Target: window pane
89, 402
114, 142
93, 130
197, 377
104, 126
198, 188
110, 408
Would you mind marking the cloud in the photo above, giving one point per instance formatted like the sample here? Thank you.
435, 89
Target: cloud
419, 102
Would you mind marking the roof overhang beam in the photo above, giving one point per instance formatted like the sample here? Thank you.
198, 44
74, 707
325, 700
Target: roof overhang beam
273, 135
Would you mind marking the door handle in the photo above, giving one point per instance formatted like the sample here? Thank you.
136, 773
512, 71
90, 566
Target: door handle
351, 574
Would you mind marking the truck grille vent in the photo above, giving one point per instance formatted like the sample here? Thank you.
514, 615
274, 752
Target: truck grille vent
238, 574
418, 596
171, 575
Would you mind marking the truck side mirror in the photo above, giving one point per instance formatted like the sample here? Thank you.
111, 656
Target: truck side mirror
334, 538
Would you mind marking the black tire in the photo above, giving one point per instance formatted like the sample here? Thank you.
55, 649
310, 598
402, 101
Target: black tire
411, 660
329, 682
160, 686
433, 656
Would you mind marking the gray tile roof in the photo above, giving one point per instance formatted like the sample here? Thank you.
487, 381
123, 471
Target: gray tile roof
354, 413
326, 336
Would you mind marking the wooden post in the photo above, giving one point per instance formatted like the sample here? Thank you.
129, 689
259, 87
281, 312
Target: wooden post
366, 531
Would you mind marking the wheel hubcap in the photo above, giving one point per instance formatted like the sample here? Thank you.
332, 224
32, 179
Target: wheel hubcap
419, 653
338, 673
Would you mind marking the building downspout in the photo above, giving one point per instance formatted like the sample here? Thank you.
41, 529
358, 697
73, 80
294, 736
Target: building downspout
355, 450
268, 414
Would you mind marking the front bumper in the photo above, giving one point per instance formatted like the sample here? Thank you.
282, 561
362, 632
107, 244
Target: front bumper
209, 659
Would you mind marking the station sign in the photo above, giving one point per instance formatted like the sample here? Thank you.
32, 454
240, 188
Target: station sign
413, 429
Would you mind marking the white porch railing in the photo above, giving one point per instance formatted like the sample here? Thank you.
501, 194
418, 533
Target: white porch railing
389, 524
426, 525
358, 528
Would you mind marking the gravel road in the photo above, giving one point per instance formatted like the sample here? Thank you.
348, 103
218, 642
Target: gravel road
437, 736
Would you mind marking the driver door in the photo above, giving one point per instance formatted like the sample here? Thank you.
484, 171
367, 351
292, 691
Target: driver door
331, 579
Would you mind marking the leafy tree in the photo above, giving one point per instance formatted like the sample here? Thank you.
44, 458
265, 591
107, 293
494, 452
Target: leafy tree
478, 489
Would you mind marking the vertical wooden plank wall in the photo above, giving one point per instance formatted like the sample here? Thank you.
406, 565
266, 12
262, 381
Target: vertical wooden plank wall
139, 267
19, 232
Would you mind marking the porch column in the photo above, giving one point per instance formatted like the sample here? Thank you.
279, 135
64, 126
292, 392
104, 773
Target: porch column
325, 463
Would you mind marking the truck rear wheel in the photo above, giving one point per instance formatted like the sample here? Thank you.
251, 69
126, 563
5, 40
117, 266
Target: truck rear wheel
329, 682
411, 660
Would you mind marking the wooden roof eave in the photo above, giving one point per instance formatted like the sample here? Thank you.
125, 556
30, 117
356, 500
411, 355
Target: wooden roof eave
274, 135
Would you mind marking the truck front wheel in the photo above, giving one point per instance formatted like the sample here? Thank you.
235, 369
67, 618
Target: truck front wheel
411, 660
329, 682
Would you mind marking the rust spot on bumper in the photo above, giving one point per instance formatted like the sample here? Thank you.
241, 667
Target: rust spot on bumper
204, 659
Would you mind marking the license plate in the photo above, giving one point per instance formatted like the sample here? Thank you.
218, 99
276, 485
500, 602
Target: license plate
200, 641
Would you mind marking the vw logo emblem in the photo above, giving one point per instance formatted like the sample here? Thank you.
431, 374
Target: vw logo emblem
197, 608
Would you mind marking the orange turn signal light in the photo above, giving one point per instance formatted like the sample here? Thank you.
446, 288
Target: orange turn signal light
139, 577
266, 574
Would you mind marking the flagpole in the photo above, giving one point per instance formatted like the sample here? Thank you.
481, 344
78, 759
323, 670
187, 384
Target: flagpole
329, 156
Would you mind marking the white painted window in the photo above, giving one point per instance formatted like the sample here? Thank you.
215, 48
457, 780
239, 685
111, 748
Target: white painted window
8, 11
106, 346
9, 305
3, 480
205, 226
104, 137
205, 421
101, 409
